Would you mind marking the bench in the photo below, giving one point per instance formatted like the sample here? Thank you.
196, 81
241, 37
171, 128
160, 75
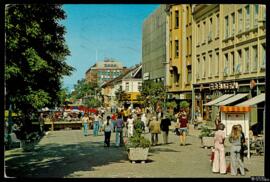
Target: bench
14, 140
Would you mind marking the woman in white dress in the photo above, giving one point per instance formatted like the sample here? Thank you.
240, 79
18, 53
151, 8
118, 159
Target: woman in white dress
130, 123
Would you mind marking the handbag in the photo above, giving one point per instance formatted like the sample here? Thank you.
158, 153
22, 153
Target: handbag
177, 131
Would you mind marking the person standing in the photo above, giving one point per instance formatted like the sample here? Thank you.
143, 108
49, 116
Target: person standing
85, 121
119, 130
217, 121
144, 120
154, 128
130, 125
96, 124
219, 163
235, 140
114, 121
183, 128
108, 128
164, 126
243, 141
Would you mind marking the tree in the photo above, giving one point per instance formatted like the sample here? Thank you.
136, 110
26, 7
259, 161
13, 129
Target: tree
82, 89
35, 56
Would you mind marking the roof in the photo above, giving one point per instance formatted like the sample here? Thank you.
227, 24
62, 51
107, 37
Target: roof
231, 99
253, 101
219, 99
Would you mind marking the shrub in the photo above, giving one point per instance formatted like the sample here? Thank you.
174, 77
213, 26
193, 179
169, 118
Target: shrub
206, 132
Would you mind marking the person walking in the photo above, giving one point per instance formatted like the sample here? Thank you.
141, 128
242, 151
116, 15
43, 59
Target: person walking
108, 128
119, 131
96, 124
219, 163
183, 128
164, 126
130, 125
235, 140
85, 121
114, 121
154, 128
243, 141
144, 120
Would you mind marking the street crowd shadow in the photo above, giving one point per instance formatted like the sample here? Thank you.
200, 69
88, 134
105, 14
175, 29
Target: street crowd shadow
56, 160
157, 150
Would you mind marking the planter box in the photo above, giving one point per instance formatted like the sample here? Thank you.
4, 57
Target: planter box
135, 154
208, 141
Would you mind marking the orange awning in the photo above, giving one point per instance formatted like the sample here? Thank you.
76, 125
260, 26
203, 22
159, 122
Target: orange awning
235, 109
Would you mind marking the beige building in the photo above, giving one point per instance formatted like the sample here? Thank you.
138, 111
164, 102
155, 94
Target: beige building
179, 51
228, 53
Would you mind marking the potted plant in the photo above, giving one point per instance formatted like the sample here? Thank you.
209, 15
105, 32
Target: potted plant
30, 140
137, 146
207, 137
171, 106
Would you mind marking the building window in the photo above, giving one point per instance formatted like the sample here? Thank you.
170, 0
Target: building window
210, 65
204, 67
140, 86
263, 56
198, 66
198, 34
255, 58
217, 25
187, 15
247, 17
217, 63
255, 15
233, 23
247, 60
240, 20
176, 48
204, 32
190, 45
210, 30
189, 76
238, 66
226, 27
127, 86
226, 65
176, 19
232, 63
187, 46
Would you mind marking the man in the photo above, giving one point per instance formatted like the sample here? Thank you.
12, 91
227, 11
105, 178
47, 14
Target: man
164, 126
119, 130
154, 128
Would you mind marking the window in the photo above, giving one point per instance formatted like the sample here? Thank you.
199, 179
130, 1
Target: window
189, 76
210, 65
176, 19
238, 66
198, 34
198, 68
204, 32
204, 67
190, 45
233, 63
187, 47
263, 56
255, 58
226, 27
246, 60
247, 17
256, 12
127, 86
140, 86
176, 53
226, 65
187, 16
233, 23
217, 25
210, 30
217, 63
240, 20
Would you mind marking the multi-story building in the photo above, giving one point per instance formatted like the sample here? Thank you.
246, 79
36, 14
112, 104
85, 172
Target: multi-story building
104, 71
154, 45
180, 51
228, 54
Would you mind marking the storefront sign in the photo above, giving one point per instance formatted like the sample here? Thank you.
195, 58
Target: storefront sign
224, 86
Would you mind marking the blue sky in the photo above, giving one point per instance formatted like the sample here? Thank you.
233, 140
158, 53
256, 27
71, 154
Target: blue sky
98, 31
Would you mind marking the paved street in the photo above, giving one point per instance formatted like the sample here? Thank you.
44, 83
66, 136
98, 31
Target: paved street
68, 154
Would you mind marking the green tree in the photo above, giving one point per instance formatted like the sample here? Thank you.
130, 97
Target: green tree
35, 56
82, 89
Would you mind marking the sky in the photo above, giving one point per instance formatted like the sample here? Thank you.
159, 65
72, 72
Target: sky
95, 32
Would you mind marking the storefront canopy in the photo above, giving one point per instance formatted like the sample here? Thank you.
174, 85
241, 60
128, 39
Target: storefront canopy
231, 99
219, 99
253, 101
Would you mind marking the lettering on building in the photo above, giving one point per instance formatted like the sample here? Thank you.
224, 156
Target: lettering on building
224, 86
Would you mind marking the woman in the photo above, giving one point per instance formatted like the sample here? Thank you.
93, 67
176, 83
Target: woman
85, 121
130, 125
219, 163
183, 128
96, 124
235, 140
119, 130
243, 141
108, 128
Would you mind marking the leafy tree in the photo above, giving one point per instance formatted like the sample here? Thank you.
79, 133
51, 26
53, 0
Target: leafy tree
93, 102
82, 88
35, 56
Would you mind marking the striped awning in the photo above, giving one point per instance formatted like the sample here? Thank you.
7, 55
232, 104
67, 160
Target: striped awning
235, 109
219, 99
231, 99
253, 101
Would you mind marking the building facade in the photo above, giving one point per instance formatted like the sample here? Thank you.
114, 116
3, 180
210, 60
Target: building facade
154, 45
104, 71
228, 53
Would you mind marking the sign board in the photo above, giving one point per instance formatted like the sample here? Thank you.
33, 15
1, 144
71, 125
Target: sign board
223, 86
146, 76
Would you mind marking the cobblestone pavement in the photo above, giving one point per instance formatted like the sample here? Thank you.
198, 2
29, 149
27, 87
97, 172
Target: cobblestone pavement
69, 154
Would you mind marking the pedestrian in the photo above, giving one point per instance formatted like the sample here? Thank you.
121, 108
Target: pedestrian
217, 121
114, 121
219, 162
164, 126
243, 143
85, 121
41, 124
108, 128
130, 125
144, 120
183, 128
119, 130
154, 128
97, 119
235, 140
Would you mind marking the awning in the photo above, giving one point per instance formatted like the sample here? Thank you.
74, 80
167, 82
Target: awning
241, 109
253, 101
221, 98
231, 99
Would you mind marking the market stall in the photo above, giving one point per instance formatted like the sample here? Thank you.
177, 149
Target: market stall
233, 115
